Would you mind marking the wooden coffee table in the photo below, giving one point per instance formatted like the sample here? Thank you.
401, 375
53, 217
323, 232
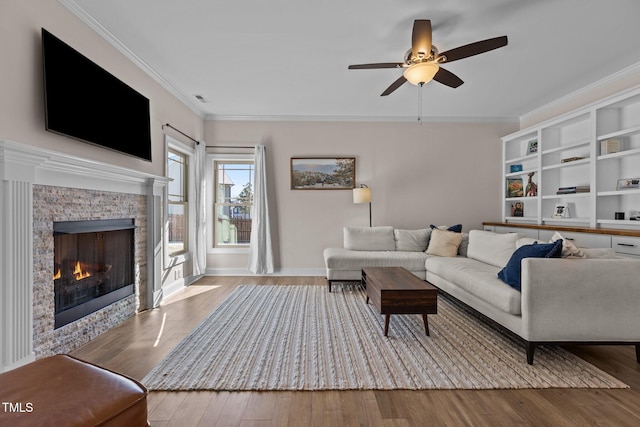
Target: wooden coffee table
394, 290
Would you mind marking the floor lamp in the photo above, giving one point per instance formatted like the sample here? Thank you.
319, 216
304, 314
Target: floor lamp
363, 195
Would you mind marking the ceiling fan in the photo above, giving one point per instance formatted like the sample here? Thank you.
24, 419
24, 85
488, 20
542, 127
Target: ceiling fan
422, 61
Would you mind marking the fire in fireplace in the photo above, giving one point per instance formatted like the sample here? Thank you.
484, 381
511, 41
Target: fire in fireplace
93, 266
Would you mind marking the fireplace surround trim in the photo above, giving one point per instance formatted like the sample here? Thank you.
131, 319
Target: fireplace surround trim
22, 166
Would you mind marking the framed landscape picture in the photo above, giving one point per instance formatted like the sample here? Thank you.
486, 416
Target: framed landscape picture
323, 173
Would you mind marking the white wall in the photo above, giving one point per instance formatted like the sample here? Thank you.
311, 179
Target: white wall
22, 98
21, 83
440, 173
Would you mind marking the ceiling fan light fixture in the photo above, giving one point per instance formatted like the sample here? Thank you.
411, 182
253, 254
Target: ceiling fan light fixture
421, 72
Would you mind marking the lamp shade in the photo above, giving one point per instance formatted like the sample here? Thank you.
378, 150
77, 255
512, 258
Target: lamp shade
362, 195
421, 72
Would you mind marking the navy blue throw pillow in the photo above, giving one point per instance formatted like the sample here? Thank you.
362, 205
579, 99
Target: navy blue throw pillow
455, 228
511, 273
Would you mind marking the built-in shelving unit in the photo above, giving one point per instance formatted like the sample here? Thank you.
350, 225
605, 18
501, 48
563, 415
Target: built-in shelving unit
595, 149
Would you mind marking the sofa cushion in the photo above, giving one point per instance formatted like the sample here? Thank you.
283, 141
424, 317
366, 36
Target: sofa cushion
411, 240
600, 253
511, 274
344, 259
444, 243
477, 278
369, 239
492, 248
464, 245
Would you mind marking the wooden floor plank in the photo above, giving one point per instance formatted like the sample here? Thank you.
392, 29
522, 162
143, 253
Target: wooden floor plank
300, 412
166, 409
233, 410
136, 346
191, 411
211, 415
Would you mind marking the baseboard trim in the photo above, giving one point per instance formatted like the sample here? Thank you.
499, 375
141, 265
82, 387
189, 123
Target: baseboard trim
173, 287
18, 363
277, 272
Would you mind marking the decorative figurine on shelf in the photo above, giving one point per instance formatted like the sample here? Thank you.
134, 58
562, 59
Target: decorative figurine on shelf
532, 187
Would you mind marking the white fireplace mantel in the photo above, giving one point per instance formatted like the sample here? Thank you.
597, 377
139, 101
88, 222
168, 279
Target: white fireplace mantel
21, 167
41, 166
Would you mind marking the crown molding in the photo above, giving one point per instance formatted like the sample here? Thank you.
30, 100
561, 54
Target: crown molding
610, 79
400, 119
91, 22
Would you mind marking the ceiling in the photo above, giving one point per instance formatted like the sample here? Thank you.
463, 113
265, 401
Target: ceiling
289, 58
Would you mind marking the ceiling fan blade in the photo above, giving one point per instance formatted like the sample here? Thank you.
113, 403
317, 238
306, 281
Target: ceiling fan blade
472, 49
447, 78
378, 65
421, 37
395, 85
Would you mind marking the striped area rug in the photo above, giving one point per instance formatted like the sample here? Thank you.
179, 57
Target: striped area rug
305, 338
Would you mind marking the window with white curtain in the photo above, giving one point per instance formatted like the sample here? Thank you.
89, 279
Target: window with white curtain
178, 202
233, 201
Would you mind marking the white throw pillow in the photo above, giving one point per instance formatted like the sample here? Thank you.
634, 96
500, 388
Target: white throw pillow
527, 241
492, 248
444, 243
569, 250
411, 240
369, 239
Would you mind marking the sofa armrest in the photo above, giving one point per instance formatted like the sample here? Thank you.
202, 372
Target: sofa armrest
581, 299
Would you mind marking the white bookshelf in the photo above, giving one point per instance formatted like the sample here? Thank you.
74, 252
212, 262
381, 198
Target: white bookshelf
569, 154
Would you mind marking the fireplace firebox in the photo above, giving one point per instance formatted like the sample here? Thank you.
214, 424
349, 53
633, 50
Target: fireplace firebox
93, 266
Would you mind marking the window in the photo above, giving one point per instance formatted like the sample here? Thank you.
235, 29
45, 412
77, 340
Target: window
178, 208
234, 181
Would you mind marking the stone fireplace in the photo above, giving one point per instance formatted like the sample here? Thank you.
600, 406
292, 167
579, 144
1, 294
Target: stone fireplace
92, 266
44, 195
71, 226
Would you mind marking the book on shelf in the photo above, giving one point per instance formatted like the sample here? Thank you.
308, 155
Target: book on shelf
571, 159
517, 209
609, 146
574, 189
515, 187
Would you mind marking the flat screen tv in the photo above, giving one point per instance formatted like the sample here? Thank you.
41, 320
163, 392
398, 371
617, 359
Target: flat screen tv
85, 102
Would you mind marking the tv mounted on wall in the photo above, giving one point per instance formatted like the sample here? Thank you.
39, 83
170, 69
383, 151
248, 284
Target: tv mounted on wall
85, 102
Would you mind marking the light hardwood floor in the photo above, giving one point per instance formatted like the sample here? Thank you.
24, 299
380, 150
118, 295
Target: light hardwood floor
142, 341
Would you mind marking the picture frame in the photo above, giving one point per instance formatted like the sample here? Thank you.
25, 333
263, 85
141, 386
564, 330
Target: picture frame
628, 184
515, 168
517, 209
532, 147
561, 210
515, 188
323, 173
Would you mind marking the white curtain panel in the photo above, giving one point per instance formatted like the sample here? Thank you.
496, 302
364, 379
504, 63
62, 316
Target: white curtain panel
260, 249
200, 249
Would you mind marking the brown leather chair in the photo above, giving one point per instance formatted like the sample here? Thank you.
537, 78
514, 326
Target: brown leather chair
64, 391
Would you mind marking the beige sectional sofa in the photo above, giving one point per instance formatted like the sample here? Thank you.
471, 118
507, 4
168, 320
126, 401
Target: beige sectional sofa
589, 300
